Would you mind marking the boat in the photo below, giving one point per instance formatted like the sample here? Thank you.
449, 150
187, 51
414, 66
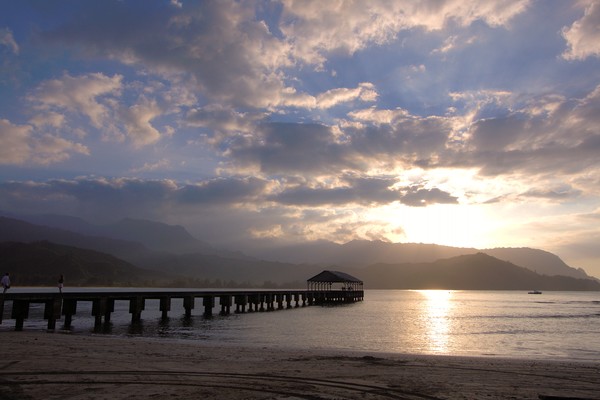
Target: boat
535, 292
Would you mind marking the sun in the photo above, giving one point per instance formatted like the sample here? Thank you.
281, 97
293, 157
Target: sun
454, 225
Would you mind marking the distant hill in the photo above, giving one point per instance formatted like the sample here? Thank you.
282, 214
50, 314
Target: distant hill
379, 264
13, 230
469, 272
40, 264
360, 253
540, 261
154, 235
194, 265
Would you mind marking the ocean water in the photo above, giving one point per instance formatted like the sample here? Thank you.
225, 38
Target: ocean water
553, 325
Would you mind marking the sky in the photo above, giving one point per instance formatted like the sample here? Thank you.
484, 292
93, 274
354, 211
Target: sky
456, 122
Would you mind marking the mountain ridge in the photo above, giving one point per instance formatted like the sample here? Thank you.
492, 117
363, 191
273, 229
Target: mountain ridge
355, 256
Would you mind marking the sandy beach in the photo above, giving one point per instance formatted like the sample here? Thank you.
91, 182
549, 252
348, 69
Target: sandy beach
39, 365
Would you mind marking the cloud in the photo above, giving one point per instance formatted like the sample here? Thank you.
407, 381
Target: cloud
96, 199
218, 47
222, 121
365, 91
289, 148
317, 28
223, 191
564, 193
19, 145
561, 140
229, 53
583, 36
420, 197
158, 165
137, 120
86, 95
14, 143
7, 40
365, 191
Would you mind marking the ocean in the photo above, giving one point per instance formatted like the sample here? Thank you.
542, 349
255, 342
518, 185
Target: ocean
514, 324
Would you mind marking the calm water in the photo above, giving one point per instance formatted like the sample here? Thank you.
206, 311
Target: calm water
563, 325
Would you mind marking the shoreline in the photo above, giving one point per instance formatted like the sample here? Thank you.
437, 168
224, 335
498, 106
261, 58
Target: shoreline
42, 365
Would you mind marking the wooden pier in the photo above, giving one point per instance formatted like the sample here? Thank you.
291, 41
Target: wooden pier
103, 302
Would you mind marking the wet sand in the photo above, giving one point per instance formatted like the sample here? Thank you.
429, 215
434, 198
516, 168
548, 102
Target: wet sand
39, 365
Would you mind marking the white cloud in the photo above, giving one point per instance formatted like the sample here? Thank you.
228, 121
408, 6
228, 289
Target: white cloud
14, 143
50, 149
52, 119
583, 37
365, 92
316, 27
7, 40
19, 145
78, 94
137, 120
378, 116
148, 167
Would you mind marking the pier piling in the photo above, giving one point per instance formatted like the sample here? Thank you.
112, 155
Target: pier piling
165, 306
20, 312
188, 305
52, 311
68, 310
208, 302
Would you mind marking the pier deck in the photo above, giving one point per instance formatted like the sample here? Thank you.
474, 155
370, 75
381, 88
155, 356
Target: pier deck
57, 305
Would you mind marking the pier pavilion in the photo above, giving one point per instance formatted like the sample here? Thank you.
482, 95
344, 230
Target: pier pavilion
335, 287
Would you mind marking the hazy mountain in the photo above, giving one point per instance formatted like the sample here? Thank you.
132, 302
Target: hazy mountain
470, 272
154, 235
360, 253
13, 230
40, 263
539, 261
194, 265
292, 263
357, 253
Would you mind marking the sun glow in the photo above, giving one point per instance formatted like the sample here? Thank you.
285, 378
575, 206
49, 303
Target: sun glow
444, 224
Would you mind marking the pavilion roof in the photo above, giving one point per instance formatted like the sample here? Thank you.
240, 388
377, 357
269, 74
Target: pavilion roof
334, 276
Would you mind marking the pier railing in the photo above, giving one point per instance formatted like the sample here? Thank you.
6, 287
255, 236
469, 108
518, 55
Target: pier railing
103, 302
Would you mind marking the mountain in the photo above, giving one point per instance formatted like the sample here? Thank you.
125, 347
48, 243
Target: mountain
468, 272
13, 230
154, 235
360, 253
297, 263
193, 265
539, 261
40, 263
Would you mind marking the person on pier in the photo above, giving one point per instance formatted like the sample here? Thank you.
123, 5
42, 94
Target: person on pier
5, 282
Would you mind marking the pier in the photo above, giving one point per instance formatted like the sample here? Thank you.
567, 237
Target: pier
58, 305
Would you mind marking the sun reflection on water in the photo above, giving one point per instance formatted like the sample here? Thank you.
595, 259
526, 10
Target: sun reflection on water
436, 312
